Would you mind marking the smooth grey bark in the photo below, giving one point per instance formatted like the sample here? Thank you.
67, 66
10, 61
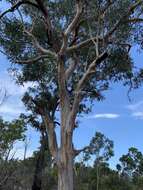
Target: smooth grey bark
65, 175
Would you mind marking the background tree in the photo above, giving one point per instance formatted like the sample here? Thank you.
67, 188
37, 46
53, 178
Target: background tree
35, 102
131, 167
10, 133
100, 149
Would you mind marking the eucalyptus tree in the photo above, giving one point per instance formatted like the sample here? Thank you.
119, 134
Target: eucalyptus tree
35, 103
84, 45
101, 149
131, 167
10, 133
131, 164
38, 100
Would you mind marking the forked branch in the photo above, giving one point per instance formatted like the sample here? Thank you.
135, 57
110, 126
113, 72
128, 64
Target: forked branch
72, 25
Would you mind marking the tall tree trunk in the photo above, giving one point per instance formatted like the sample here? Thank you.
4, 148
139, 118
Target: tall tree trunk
66, 161
40, 163
65, 175
37, 181
97, 177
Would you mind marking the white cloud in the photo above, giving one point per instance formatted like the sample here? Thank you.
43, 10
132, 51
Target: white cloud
105, 116
24, 88
8, 83
138, 115
11, 106
136, 106
136, 109
12, 88
11, 109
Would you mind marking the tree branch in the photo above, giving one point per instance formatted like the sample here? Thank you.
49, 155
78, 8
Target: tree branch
16, 6
90, 41
77, 152
48, 24
71, 68
91, 67
53, 145
83, 44
135, 20
38, 46
81, 84
33, 60
72, 25
123, 18
62, 75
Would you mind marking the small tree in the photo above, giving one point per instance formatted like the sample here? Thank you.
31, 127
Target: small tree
131, 164
131, 168
101, 148
10, 133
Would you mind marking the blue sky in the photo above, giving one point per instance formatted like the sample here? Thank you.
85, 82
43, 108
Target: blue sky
116, 117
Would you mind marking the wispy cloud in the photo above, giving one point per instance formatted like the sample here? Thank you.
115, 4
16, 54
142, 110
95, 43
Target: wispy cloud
11, 109
138, 115
11, 106
12, 88
136, 109
104, 116
136, 106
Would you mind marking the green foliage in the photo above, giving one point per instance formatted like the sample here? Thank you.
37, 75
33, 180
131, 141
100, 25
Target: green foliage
132, 163
86, 178
10, 132
118, 66
100, 147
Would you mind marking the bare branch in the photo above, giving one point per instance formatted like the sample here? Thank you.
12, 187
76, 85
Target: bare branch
90, 41
127, 45
82, 82
62, 76
83, 44
109, 4
4, 97
1, 51
91, 67
16, 6
38, 46
72, 25
77, 152
135, 20
33, 60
